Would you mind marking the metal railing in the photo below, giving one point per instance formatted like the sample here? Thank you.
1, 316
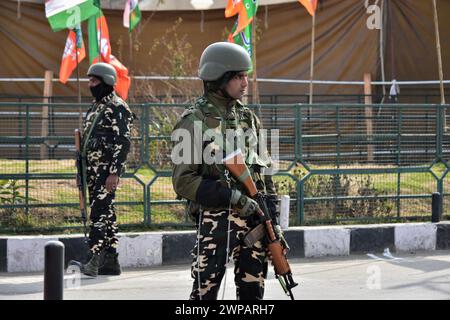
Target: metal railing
339, 163
424, 98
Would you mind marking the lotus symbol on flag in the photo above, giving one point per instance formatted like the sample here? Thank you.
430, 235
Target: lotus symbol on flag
104, 47
68, 49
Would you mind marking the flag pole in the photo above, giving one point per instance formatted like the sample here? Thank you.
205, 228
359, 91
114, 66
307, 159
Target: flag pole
80, 118
131, 64
100, 43
255, 92
311, 68
438, 48
441, 73
99, 39
78, 77
80, 112
381, 51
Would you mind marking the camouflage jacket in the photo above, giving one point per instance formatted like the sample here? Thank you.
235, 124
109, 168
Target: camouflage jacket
109, 138
187, 178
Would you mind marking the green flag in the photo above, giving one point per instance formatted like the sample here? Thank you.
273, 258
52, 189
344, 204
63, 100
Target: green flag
62, 14
131, 14
251, 6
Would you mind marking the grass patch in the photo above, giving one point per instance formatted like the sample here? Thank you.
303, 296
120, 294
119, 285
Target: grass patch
60, 191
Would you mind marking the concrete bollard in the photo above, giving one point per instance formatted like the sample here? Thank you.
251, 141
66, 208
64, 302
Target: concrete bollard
284, 212
54, 271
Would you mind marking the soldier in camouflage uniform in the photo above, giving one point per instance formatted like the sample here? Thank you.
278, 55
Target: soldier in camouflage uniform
106, 142
224, 215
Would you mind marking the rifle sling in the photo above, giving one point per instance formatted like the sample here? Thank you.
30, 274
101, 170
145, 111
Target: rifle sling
83, 153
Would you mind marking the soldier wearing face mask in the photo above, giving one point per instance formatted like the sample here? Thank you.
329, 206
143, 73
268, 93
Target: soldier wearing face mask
106, 143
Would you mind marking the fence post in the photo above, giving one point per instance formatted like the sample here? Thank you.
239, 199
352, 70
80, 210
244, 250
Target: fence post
440, 121
147, 207
146, 138
54, 271
300, 202
27, 159
48, 89
368, 114
146, 159
436, 207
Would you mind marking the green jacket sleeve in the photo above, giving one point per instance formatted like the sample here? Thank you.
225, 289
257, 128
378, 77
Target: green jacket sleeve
187, 179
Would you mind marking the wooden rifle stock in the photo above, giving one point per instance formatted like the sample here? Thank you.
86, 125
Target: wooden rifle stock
237, 167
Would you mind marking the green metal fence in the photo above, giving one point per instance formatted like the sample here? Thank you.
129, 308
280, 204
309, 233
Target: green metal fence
338, 163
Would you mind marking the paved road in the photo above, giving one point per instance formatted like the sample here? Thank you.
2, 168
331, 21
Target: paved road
408, 276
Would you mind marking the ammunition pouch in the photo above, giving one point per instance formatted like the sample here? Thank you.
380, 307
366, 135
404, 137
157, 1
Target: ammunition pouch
254, 235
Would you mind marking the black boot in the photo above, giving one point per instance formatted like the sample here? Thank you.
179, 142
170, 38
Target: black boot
110, 265
91, 267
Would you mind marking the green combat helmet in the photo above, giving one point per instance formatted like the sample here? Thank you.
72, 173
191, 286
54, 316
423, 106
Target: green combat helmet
104, 71
221, 57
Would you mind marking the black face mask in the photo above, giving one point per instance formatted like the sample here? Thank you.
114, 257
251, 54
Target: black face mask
101, 90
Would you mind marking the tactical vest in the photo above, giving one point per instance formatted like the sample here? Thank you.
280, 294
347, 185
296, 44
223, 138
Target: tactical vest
240, 119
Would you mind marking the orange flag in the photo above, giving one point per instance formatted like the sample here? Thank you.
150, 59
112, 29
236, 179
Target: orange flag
310, 5
123, 80
68, 62
99, 44
233, 8
246, 10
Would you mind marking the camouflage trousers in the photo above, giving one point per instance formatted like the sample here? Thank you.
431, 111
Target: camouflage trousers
103, 227
210, 257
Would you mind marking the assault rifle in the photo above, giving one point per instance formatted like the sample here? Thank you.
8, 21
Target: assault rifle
239, 170
80, 178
